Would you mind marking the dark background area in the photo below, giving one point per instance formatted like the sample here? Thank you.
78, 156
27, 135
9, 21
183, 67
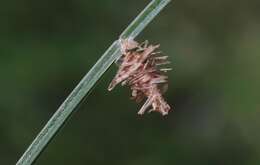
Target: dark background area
46, 47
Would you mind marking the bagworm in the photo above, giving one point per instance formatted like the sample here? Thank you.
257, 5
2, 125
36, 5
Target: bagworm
140, 69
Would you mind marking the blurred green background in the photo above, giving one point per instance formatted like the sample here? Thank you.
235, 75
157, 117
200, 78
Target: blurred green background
46, 47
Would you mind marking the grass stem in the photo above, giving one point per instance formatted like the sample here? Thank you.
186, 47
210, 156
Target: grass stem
89, 80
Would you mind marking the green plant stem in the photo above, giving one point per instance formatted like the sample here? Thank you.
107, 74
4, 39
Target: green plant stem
85, 85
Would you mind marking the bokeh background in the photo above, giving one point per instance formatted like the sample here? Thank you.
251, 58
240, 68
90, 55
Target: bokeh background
46, 47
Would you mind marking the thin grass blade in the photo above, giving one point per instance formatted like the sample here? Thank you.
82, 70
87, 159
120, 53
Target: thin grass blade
89, 80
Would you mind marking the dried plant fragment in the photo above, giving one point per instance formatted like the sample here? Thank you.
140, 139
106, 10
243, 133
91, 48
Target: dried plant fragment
139, 68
